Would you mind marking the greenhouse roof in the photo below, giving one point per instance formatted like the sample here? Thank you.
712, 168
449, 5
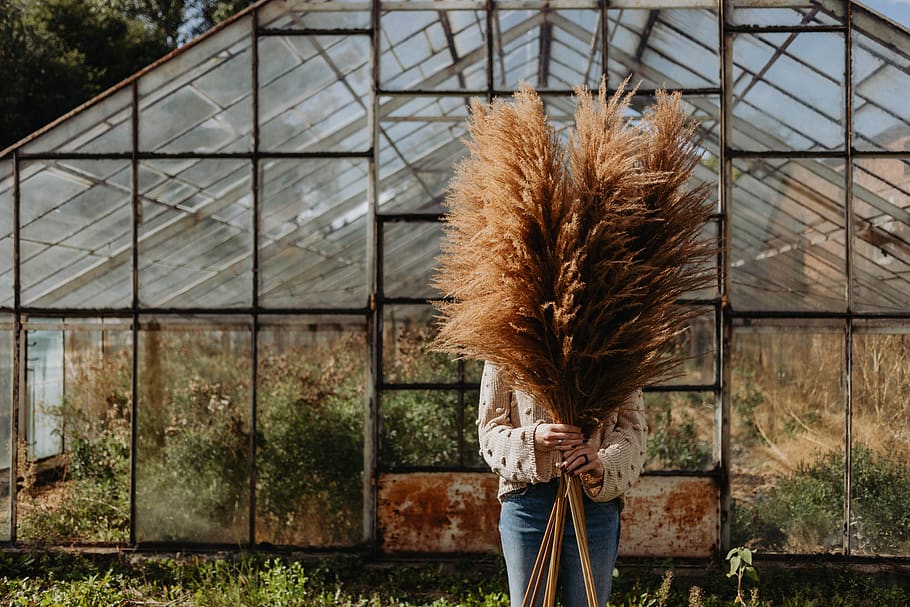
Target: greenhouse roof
290, 85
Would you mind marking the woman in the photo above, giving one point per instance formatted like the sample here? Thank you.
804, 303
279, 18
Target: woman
527, 451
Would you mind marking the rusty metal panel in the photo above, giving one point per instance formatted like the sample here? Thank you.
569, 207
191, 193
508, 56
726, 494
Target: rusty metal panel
671, 516
438, 512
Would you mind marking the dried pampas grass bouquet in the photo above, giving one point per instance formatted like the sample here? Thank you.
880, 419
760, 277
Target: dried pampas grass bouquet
563, 265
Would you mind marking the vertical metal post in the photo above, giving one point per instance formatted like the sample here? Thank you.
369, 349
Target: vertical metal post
849, 231
605, 40
18, 359
134, 303
490, 50
374, 313
254, 338
725, 193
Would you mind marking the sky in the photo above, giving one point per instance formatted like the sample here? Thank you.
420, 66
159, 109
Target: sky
896, 10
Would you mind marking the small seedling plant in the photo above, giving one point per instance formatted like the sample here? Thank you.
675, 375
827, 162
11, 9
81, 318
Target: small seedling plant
741, 566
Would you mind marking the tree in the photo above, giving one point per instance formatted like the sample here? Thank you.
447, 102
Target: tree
57, 54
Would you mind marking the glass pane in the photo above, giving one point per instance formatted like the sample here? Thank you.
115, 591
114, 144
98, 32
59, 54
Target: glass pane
6, 233
696, 345
409, 258
312, 250
682, 430
433, 50
195, 233
201, 99
880, 74
310, 433
407, 354
418, 428
667, 48
76, 246
76, 468
787, 224
880, 522
787, 435
796, 12
193, 420
881, 245
548, 49
6, 406
103, 128
421, 140
788, 91
306, 14
314, 92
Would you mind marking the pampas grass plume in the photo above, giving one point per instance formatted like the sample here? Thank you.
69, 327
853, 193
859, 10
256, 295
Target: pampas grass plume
563, 266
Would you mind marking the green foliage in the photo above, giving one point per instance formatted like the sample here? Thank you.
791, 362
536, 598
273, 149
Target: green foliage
806, 506
674, 442
740, 560
57, 54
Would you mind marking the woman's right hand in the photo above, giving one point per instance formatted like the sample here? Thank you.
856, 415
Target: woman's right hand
560, 437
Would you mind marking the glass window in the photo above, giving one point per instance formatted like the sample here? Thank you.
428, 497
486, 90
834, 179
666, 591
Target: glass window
697, 348
419, 429
312, 246
432, 50
409, 252
193, 431
664, 48
200, 100
881, 236
310, 431
880, 511
314, 93
548, 49
105, 127
421, 138
6, 394
880, 73
76, 239
805, 13
681, 430
788, 237
788, 91
407, 354
195, 233
306, 14
78, 425
787, 426
6, 233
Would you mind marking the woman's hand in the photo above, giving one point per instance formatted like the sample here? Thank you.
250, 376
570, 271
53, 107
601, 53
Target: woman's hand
583, 460
559, 437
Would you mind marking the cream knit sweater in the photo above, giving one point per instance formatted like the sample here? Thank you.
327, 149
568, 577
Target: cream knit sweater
509, 418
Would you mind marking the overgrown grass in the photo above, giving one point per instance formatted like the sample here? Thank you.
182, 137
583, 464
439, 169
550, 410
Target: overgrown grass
256, 580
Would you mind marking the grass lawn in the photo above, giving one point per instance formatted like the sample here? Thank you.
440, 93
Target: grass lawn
257, 580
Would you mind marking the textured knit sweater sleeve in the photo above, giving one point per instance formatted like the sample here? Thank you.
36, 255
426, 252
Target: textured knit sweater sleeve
507, 446
622, 450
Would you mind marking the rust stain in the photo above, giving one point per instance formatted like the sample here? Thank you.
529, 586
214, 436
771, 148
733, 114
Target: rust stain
458, 512
672, 516
438, 512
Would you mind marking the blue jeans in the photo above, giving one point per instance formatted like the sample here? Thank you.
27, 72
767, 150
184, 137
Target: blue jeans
521, 526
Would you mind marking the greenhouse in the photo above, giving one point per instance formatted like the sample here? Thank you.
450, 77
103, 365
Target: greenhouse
215, 282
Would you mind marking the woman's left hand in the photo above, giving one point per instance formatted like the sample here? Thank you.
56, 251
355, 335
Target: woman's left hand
582, 459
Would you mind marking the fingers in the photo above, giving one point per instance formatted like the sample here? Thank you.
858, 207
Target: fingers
561, 437
582, 459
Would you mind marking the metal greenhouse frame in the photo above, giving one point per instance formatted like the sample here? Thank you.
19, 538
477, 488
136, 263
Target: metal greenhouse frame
289, 167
